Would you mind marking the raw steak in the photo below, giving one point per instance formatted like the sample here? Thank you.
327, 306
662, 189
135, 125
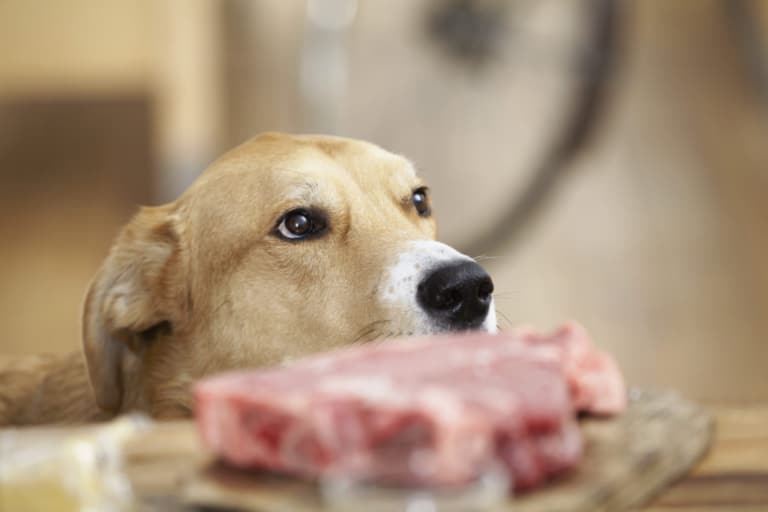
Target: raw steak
594, 378
433, 410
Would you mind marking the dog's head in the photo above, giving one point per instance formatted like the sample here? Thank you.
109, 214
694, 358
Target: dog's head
285, 246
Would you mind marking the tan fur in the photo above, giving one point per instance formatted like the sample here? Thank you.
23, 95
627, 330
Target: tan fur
232, 294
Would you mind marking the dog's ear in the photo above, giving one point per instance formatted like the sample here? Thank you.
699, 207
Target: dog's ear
134, 290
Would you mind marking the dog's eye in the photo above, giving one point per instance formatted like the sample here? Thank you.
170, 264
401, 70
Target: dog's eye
298, 224
420, 201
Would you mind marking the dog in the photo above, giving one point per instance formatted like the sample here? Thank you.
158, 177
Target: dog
285, 246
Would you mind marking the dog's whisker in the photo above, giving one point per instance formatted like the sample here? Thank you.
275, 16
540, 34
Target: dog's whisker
485, 257
370, 331
502, 315
507, 291
385, 335
363, 337
507, 294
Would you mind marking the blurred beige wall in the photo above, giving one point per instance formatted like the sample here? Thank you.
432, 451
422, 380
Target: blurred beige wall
75, 46
75, 150
166, 50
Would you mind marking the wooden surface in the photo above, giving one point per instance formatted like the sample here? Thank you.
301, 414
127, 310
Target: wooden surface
733, 476
628, 459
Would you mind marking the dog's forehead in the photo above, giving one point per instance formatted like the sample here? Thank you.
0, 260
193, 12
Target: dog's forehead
366, 165
255, 181
280, 161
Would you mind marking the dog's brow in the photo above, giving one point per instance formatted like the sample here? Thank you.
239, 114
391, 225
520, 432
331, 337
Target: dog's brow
305, 191
312, 188
412, 171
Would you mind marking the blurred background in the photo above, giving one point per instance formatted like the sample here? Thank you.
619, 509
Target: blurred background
608, 161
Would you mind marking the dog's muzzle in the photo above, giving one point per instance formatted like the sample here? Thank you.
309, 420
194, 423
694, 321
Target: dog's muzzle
433, 288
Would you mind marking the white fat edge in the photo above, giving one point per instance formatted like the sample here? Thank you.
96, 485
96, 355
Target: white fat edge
458, 429
442, 403
377, 388
483, 356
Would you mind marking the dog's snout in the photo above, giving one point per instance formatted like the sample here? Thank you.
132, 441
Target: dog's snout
457, 295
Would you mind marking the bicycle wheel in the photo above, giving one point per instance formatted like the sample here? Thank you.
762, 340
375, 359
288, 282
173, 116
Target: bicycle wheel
489, 98
749, 21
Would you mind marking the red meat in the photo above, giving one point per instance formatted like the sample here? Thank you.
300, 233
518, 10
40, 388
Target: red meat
434, 410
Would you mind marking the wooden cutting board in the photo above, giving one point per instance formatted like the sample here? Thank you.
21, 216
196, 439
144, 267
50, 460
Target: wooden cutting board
629, 459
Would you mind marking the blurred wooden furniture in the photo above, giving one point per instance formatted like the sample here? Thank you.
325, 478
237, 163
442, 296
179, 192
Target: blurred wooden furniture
734, 476
72, 170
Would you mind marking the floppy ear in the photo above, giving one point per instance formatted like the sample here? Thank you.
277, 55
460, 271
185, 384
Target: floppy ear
133, 291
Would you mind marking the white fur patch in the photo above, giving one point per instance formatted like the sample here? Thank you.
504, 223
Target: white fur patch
490, 320
398, 289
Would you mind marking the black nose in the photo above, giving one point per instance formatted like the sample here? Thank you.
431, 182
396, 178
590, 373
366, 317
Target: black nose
457, 295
